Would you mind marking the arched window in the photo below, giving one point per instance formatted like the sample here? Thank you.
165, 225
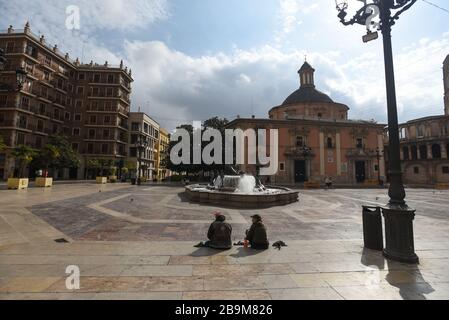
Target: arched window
405, 151
423, 152
414, 150
421, 131
436, 151
330, 145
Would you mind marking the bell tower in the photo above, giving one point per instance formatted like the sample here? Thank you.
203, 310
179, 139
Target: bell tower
306, 75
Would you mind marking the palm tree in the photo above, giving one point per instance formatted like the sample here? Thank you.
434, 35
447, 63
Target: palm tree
47, 157
23, 155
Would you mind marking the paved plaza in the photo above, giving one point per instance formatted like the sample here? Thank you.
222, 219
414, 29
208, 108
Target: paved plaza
137, 243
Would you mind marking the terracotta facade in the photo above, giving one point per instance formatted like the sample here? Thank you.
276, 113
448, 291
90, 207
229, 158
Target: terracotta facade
317, 140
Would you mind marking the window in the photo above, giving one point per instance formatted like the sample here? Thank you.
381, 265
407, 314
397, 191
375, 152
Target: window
405, 151
109, 92
423, 152
47, 75
105, 134
75, 146
81, 76
135, 126
23, 122
48, 60
78, 117
80, 90
436, 151
38, 142
2, 117
97, 78
104, 148
421, 131
93, 119
145, 127
282, 166
95, 92
42, 108
299, 141
133, 152
90, 148
416, 170
414, 150
3, 100
10, 47
76, 131
55, 129
40, 126
25, 102
320, 115
359, 143
376, 167
445, 170
56, 114
91, 133
79, 103
107, 119
20, 138
110, 78
329, 143
67, 116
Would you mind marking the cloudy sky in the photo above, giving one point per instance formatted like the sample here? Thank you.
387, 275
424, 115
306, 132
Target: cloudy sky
195, 59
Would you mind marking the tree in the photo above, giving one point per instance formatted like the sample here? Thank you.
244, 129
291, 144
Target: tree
46, 158
56, 154
215, 123
67, 157
23, 155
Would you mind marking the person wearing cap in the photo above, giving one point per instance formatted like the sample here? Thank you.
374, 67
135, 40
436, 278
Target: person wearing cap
257, 234
219, 233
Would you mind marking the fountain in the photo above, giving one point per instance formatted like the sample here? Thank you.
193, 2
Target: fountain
243, 191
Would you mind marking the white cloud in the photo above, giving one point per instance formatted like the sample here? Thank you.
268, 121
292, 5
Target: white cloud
175, 87
289, 12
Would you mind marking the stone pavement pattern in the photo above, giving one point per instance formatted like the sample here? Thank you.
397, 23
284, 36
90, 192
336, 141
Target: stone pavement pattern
136, 243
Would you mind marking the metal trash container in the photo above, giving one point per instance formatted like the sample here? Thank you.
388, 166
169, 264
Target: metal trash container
372, 228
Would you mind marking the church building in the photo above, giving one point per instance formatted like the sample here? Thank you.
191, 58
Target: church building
317, 140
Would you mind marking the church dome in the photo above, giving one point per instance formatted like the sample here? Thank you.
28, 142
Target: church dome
307, 94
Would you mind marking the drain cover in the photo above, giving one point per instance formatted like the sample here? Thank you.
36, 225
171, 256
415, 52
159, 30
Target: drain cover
62, 240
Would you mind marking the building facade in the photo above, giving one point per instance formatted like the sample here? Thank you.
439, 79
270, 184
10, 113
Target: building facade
163, 156
143, 144
446, 85
425, 145
90, 103
317, 140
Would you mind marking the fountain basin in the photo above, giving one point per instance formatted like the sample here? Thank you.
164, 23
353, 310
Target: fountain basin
273, 196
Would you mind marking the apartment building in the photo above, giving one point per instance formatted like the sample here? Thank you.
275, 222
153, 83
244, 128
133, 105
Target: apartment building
143, 144
90, 103
163, 156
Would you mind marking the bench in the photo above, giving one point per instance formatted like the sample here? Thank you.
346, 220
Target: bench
442, 186
312, 185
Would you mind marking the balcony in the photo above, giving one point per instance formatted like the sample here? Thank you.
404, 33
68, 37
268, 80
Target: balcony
360, 153
301, 152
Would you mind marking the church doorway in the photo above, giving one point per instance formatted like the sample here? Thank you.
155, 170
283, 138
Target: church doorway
300, 171
360, 171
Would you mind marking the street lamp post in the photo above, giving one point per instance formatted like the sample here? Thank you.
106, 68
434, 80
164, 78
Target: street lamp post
398, 216
378, 156
141, 144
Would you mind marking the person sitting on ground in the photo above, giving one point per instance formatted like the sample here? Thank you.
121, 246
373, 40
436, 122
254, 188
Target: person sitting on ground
219, 234
257, 234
